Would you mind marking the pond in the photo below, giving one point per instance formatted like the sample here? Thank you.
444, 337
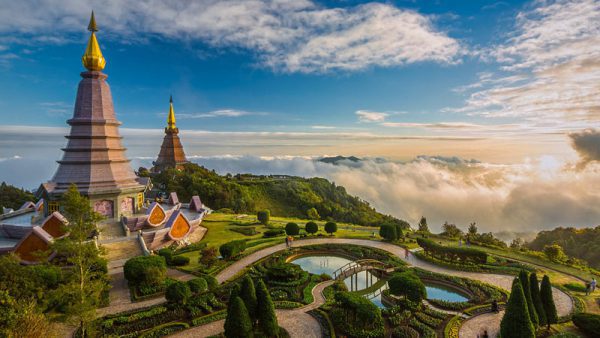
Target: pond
366, 283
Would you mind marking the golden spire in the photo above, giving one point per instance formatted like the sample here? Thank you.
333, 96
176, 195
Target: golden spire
92, 58
171, 118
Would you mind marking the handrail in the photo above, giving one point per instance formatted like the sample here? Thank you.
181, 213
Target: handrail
360, 265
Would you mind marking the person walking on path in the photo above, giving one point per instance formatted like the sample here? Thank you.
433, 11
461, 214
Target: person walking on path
287, 242
406, 254
593, 284
291, 241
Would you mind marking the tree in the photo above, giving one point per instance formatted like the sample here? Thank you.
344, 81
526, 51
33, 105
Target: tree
311, 227
537, 301
263, 216
86, 275
399, 232
548, 301
451, 230
472, 229
388, 232
423, 227
517, 243
312, 213
292, 229
237, 322
8, 313
409, 285
330, 227
524, 279
516, 322
555, 253
178, 293
267, 320
248, 295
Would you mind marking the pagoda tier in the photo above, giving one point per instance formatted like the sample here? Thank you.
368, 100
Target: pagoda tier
94, 158
171, 153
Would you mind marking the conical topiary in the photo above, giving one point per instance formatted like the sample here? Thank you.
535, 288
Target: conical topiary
548, 301
524, 279
267, 320
237, 323
248, 295
534, 287
516, 322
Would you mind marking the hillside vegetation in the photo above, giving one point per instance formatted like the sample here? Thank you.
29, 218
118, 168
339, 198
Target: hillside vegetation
13, 197
579, 243
283, 195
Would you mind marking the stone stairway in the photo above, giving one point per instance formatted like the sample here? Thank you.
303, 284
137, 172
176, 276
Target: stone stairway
122, 248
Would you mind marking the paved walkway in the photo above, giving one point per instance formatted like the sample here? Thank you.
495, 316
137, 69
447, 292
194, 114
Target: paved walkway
297, 322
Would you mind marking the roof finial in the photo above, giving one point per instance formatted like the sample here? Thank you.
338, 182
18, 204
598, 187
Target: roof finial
92, 25
93, 59
171, 118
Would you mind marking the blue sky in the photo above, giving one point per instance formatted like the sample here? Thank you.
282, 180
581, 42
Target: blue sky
207, 74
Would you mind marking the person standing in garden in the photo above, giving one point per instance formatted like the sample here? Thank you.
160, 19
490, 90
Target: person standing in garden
593, 284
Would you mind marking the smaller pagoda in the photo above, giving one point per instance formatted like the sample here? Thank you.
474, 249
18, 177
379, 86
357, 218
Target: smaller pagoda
171, 153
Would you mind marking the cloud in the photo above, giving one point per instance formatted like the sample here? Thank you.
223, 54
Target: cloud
587, 145
521, 197
551, 71
218, 113
371, 116
323, 127
57, 109
285, 35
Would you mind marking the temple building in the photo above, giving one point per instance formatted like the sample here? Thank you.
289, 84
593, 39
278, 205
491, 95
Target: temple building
171, 153
94, 158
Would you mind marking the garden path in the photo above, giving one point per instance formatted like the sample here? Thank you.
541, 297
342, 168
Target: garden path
564, 304
297, 322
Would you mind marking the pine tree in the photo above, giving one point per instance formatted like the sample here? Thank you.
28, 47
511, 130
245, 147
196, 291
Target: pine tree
516, 322
524, 279
267, 320
535, 297
248, 295
235, 292
548, 301
237, 322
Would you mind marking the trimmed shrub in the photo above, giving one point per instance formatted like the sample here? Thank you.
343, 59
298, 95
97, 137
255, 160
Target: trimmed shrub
167, 253
534, 287
311, 227
408, 284
524, 280
208, 256
198, 285
330, 227
248, 295
388, 232
449, 253
359, 312
587, 322
548, 301
292, 229
233, 248
267, 320
145, 270
178, 293
263, 216
180, 261
516, 321
212, 282
237, 322
578, 287
273, 233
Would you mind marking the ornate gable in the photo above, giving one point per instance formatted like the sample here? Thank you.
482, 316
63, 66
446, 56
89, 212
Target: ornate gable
156, 215
179, 226
55, 225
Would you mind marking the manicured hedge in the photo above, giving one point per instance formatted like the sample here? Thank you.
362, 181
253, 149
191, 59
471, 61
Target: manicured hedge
180, 260
233, 248
273, 233
145, 270
408, 284
452, 253
587, 322
198, 285
178, 292
292, 229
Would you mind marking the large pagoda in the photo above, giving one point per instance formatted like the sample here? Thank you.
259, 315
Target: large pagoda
94, 158
171, 153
